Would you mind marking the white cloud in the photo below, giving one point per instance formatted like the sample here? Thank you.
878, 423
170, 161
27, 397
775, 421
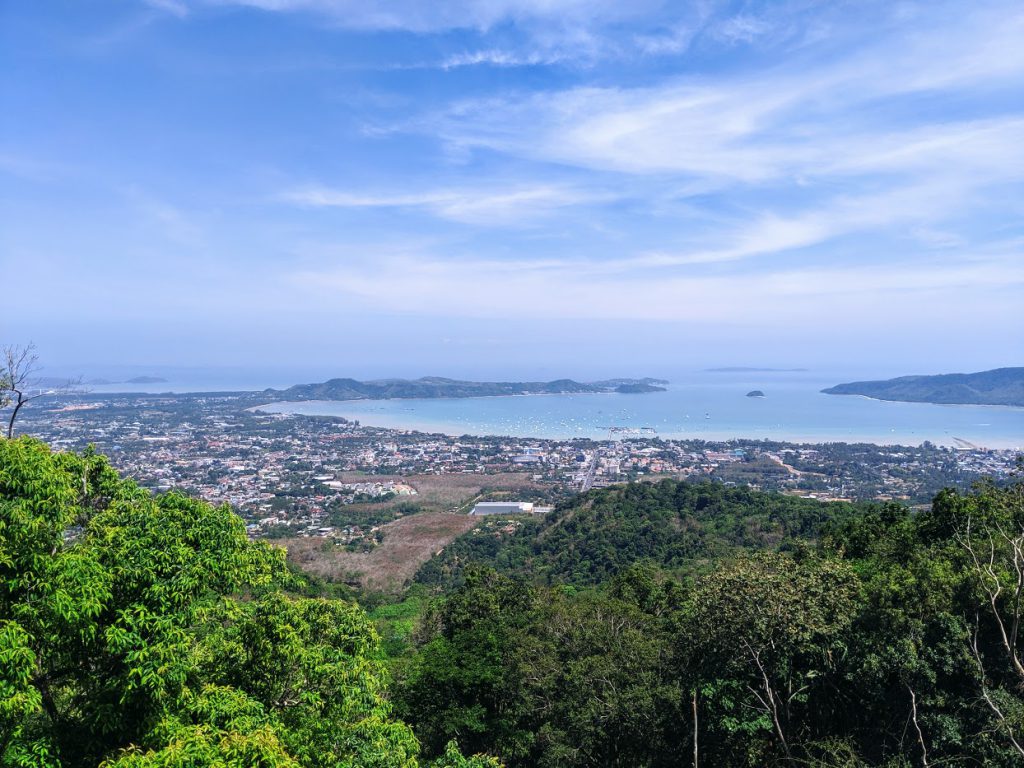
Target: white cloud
511, 205
559, 32
420, 16
742, 28
745, 130
172, 221
896, 211
672, 42
501, 58
177, 8
906, 139
424, 285
808, 118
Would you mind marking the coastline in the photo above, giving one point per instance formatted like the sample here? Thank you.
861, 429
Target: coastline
925, 402
401, 422
465, 397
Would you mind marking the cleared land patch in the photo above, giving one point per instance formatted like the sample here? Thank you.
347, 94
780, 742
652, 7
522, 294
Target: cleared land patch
410, 540
408, 543
445, 493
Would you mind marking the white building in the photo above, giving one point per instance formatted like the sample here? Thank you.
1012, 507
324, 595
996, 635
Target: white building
503, 508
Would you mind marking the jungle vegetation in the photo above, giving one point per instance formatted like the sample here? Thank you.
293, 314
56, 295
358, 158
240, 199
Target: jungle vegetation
646, 625
674, 624
142, 632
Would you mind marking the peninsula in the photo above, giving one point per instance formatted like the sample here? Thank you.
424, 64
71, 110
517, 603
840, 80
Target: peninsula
434, 387
1001, 386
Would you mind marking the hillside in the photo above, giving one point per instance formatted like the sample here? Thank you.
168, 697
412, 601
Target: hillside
879, 645
1002, 386
433, 387
671, 523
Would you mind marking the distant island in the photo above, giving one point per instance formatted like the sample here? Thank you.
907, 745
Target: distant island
744, 369
755, 393
434, 387
1002, 386
136, 380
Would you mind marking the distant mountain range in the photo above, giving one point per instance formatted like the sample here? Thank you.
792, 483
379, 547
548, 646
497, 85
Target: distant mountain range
1002, 386
433, 386
77, 384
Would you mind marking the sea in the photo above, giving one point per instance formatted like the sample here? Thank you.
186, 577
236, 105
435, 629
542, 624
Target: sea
698, 405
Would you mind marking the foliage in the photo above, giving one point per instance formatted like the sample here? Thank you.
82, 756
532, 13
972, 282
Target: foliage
674, 524
150, 631
651, 626
875, 638
540, 676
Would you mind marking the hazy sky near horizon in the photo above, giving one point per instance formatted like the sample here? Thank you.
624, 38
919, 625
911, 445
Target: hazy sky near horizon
513, 186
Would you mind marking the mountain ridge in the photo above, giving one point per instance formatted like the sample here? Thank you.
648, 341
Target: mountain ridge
438, 386
999, 386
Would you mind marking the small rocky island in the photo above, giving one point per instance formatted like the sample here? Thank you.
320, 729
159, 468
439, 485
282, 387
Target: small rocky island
755, 393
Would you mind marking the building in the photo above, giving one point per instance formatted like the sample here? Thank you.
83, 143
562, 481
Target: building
503, 508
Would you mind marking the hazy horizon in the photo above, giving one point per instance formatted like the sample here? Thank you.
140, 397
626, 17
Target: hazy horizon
513, 188
256, 377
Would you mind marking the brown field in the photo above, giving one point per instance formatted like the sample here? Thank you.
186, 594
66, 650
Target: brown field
408, 541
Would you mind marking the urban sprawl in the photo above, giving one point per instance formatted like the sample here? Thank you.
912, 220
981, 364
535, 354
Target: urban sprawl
296, 475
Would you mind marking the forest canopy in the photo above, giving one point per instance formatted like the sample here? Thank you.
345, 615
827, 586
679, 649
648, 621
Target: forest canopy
674, 624
140, 631
647, 625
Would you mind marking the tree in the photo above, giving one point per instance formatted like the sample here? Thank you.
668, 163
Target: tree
764, 632
150, 632
18, 380
19, 366
545, 676
989, 527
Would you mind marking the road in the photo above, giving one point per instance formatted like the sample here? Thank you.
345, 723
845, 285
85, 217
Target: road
588, 479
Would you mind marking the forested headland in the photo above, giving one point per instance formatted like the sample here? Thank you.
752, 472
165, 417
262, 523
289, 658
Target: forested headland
436, 386
657, 624
1001, 386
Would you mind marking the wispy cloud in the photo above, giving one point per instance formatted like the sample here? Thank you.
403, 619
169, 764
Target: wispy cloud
750, 129
418, 16
420, 284
173, 222
765, 164
496, 57
742, 28
177, 8
514, 205
669, 42
578, 32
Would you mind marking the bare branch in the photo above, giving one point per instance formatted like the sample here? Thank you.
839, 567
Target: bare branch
984, 690
994, 585
920, 735
19, 383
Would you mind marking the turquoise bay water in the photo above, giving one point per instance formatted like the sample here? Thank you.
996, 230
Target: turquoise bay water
710, 406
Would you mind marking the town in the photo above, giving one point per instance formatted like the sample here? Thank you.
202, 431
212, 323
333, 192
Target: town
300, 476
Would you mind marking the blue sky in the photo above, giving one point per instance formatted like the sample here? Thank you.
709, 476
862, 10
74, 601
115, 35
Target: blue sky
513, 187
